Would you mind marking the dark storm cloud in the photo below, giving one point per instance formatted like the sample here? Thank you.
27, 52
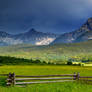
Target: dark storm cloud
45, 15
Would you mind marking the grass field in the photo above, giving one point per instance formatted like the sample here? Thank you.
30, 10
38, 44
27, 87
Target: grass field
56, 54
43, 70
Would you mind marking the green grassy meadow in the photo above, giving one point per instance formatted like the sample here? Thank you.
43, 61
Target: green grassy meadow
57, 54
44, 70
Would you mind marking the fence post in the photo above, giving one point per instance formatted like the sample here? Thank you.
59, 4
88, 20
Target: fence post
74, 77
13, 78
78, 76
9, 80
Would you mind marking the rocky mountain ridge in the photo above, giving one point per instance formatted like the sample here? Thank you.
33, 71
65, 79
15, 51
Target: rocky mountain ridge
31, 37
84, 33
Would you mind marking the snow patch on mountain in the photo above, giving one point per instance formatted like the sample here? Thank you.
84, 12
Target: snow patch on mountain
45, 41
70, 40
90, 38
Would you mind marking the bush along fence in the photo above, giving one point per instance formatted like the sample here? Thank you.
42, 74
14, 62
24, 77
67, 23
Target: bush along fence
14, 79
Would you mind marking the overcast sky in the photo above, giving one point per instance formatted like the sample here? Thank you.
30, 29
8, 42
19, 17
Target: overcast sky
56, 16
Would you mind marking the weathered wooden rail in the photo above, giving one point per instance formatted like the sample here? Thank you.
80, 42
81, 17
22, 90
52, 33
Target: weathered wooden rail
23, 79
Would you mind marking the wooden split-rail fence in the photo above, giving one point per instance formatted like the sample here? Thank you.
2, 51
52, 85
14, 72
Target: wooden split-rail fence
14, 79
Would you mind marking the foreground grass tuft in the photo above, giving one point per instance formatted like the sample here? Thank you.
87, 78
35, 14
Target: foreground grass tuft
55, 87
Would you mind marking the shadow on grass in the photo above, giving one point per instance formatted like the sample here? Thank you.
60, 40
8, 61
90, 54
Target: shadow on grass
2, 81
87, 82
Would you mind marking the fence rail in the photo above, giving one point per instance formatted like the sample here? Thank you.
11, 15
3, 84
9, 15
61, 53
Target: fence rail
85, 77
19, 79
42, 82
46, 75
23, 79
4, 74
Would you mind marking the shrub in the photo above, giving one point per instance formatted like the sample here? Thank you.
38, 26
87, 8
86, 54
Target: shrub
37, 61
69, 63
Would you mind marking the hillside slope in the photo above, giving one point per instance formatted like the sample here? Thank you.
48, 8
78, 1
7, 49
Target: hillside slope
53, 53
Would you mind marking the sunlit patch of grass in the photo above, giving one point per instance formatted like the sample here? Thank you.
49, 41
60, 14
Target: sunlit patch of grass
45, 69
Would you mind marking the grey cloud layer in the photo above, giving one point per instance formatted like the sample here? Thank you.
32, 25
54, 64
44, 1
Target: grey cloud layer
47, 15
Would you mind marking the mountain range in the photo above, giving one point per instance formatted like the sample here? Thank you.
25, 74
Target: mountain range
31, 37
84, 33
